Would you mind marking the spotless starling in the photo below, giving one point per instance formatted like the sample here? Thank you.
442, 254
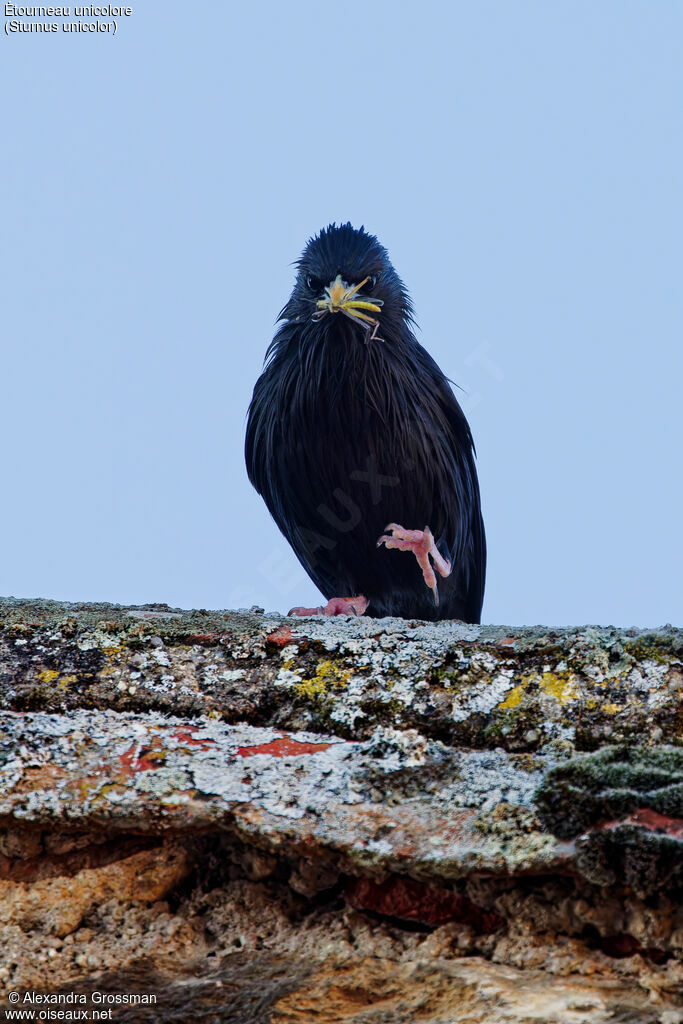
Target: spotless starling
359, 448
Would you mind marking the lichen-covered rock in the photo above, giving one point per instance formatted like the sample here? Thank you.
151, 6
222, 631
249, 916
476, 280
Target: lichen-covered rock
353, 819
481, 686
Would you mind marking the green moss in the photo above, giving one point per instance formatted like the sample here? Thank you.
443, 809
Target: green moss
610, 784
389, 711
653, 647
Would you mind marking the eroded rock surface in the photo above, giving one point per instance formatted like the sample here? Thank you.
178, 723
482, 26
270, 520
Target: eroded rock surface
264, 819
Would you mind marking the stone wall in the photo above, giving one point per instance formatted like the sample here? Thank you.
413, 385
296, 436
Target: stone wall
269, 820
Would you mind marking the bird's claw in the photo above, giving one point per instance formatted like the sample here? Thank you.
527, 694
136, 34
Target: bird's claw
422, 545
336, 606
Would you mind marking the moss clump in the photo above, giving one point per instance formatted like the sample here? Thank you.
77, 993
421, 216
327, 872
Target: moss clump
634, 857
662, 647
610, 784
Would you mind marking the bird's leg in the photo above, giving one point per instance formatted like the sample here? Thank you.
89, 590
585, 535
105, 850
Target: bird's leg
336, 606
373, 336
421, 543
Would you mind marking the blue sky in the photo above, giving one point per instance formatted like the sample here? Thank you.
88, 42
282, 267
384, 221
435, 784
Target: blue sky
521, 162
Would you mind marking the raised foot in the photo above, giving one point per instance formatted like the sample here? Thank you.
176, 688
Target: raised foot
421, 543
336, 606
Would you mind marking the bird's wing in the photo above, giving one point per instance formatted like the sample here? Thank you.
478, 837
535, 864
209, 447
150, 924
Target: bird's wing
458, 523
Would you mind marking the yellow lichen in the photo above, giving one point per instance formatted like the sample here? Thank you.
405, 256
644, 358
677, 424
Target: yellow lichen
514, 697
51, 675
48, 675
560, 686
327, 677
610, 708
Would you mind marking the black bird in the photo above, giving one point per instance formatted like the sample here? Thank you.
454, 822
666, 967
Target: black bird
358, 446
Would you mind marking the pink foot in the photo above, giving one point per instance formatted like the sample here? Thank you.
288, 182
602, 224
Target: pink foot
336, 606
421, 543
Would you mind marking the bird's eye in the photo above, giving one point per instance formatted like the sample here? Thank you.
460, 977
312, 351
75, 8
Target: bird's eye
314, 283
372, 281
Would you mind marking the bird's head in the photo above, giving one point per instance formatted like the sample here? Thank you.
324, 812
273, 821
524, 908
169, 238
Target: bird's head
346, 271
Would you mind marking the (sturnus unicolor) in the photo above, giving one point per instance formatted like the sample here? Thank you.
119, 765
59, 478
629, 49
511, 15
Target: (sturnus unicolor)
359, 448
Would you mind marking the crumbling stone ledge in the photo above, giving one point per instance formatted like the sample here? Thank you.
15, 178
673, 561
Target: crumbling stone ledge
347, 819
